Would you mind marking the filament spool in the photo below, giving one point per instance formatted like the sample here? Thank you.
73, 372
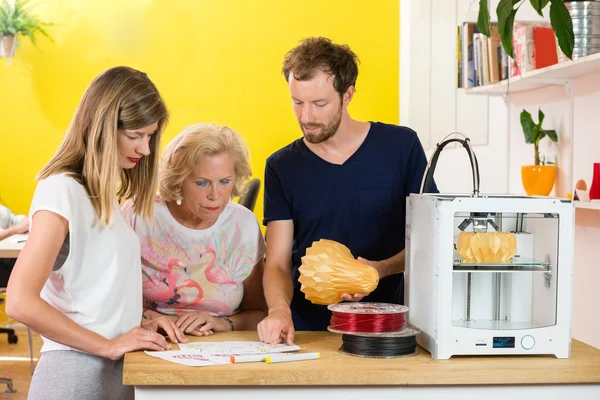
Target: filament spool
350, 318
401, 344
374, 330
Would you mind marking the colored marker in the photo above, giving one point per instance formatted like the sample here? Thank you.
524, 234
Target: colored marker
275, 358
248, 358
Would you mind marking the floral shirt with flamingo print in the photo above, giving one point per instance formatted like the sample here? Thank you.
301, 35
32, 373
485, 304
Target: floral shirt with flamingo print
196, 270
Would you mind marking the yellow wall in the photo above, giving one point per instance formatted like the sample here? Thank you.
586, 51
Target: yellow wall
213, 60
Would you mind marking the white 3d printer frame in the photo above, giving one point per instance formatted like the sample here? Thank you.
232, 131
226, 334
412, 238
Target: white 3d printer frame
537, 297
430, 261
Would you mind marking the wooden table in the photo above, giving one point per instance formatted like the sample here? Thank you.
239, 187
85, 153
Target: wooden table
344, 377
12, 246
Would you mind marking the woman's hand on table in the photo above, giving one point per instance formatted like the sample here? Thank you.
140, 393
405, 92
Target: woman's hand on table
168, 325
137, 338
201, 323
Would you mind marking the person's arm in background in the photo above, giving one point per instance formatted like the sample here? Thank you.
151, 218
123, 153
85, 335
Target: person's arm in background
23, 301
21, 227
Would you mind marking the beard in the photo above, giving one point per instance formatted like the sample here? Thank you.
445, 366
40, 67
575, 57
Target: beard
325, 130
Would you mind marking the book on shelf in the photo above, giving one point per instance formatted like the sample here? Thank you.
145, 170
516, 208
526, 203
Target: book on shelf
534, 46
494, 54
465, 61
459, 76
482, 60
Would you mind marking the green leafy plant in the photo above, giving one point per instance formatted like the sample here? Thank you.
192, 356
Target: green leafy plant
534, 133
16, 18
560, 18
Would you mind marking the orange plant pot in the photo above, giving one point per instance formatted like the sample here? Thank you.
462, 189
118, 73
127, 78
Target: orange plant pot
538, 180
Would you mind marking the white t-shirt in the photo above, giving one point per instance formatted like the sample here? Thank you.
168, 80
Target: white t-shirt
99, 285
188, 270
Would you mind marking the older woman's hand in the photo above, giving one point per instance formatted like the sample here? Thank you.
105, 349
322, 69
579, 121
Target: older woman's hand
167, 324
201, 323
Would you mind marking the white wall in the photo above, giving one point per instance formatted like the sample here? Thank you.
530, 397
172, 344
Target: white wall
428, 89
453, 171
575, 116
432, 106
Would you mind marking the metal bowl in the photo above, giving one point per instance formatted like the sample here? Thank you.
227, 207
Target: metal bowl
585, 51
582, 9
586, 27
585, 41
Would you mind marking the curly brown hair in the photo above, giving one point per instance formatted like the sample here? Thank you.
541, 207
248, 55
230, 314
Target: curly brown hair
321, 54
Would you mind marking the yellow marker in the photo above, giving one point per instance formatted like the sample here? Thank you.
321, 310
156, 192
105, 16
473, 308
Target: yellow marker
275, 358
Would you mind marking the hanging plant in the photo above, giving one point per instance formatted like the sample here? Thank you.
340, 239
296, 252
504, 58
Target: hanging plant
17, 19
560, 18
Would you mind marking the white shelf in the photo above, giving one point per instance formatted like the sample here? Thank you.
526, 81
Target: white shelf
587, 205
554, 74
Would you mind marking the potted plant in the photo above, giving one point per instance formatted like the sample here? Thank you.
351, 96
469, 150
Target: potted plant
560, 18
17, 19
538, 179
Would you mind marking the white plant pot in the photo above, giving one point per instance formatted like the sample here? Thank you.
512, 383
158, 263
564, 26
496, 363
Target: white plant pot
8, 46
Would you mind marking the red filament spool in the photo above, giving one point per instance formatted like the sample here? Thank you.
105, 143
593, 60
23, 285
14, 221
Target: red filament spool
367, 317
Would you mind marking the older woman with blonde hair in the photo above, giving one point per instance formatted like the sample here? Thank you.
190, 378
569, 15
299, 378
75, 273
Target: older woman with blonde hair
78, 279
202, 254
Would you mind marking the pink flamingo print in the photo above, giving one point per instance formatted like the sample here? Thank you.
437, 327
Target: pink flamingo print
193, 284
216, 275
163, 288
209, 305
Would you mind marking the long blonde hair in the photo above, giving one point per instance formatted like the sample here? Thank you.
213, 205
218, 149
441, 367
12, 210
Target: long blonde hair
117, 99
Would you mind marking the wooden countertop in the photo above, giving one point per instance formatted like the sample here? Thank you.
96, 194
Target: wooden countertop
334, 368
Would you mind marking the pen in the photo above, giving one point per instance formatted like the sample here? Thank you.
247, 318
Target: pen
248, 358
275, 358
22, 241
251, 358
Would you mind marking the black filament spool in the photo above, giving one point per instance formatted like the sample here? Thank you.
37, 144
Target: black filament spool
378, 346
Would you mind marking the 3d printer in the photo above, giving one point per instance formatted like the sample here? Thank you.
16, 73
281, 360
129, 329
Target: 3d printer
488, 274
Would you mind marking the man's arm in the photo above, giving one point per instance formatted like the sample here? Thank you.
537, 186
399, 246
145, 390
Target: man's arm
387, 267
278, 268
277, 283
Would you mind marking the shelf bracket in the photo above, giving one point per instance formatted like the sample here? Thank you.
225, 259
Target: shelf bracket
569, 88
564, 82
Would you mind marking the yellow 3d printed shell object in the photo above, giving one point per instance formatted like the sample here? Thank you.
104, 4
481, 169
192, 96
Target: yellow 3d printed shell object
487, 247
329, 270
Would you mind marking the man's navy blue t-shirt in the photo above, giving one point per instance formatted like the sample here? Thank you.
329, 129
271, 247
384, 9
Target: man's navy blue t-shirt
360, 203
